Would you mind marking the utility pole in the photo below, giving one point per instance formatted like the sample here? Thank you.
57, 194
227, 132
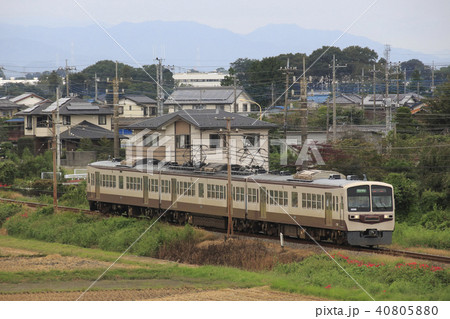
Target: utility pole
116, 114
58, 139
229, 199
404, 81
388, 103
398, 84
374, 84
287, 70
68, 69
273, 93
432, 79
55, 183
159, 83
362, 90
328, 118
304, 105
96, 87
334, 94
235, 96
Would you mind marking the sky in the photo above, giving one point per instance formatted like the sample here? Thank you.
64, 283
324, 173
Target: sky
417, 25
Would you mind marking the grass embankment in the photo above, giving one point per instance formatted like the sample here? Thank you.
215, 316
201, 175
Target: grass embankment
384, 278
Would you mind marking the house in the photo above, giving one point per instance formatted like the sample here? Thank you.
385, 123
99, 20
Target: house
195, 136
139, 106
72, 111
9, 108
28, 99
71, 137
212, 98
347, 100
395, 100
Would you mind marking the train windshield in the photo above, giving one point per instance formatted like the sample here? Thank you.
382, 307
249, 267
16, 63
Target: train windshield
358, 199
381, 198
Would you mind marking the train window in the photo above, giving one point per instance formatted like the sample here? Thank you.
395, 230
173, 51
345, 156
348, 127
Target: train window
238, 194
92, 179
358, 199
319, 201
201, 190
89, 178
308, 200
154, 185
314, 201
303, 200
252, 195
278, 198
337, 203
134, 183
121, 182
165, 186
381, 198
294, 199
215, 191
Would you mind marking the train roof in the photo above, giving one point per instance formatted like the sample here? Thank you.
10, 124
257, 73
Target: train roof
319, 178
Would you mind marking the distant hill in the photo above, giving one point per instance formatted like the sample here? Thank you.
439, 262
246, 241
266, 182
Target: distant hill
184, 44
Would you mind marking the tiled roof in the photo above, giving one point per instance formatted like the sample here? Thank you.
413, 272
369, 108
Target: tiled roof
86, 129
211, 95
139, 99
203, 119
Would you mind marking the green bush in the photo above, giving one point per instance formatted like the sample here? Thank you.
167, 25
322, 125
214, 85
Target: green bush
436, 219
75, 196
8, 210
113, 234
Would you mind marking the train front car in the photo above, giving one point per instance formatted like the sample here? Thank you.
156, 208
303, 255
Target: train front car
370, 213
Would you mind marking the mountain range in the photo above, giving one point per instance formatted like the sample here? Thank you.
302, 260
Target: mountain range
185, 45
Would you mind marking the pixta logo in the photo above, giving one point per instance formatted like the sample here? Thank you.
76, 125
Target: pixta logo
309, 152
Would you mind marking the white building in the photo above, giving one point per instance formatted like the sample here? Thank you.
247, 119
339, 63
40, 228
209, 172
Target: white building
197, 79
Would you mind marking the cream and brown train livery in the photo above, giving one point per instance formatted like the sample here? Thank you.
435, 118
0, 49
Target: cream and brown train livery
327, 205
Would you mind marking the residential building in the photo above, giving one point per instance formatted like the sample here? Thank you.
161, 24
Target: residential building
139, 106
203, 98
9, 108
198, 79
195, 136
72, 111
28, 99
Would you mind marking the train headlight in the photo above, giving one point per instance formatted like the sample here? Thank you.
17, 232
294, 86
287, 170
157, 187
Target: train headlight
387, 216
354, 217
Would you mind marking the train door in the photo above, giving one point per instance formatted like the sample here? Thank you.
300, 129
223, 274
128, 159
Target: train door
97, 185
174, 192
262, 201
341, 212
328, 209
145, 189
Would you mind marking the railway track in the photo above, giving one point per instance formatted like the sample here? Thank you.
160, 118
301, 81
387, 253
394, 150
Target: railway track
374, 250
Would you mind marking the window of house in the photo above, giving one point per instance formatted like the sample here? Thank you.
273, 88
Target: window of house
183, 141
145, 110
251, 140
102, 120
42, 121
66, 119
152, 140
244, 107
214, 140
120, 109
153, 110
29, 122
198, 107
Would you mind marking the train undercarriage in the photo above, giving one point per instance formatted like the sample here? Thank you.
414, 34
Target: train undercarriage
239, 225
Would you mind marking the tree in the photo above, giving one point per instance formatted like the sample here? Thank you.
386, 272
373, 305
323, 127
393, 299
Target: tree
7, 172
50, 82
405, 122
439, 106
405, 193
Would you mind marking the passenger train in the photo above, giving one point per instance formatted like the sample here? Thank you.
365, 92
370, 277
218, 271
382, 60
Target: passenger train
322, 204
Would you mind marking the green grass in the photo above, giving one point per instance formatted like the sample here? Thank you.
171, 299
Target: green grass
415, 235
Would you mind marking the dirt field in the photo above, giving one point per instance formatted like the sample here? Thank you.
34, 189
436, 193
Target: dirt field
13, 260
